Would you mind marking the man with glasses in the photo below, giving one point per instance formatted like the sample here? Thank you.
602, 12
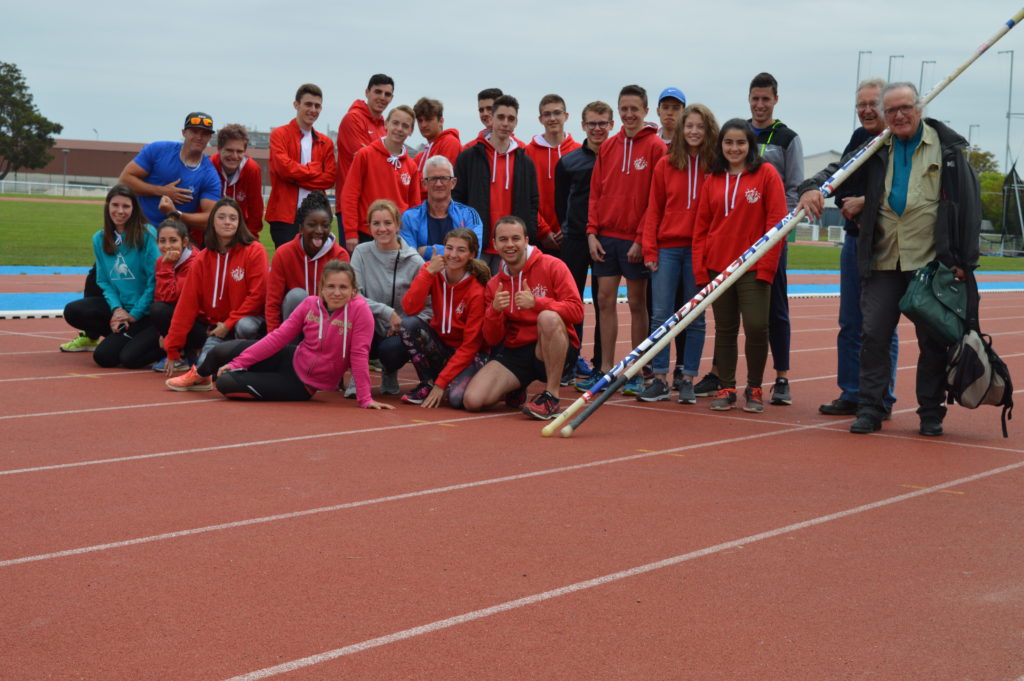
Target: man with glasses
425, 226
545, 150
572, 199
850, 199
179, 172
921, 203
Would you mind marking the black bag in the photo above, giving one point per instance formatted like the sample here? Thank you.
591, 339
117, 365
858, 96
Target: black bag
937, 300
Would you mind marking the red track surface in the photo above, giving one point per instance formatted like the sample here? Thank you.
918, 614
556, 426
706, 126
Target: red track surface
153, 535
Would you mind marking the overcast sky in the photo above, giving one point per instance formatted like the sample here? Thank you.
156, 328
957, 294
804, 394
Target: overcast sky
132, 72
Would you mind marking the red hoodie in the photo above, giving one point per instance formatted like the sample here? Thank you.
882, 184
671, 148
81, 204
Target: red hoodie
292, 268
171, 277
458, 316
484, 134
502, 175
245, 187
222, 287
287, 174
672, 207
446, 144
621, 183
358, 129
376, 174
554, 289
734, 213
545, 157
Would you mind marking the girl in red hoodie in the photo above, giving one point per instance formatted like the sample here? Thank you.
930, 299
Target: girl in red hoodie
446, 353
381, 170
225, 291
743, 199
668, 245
172, 268
295, 270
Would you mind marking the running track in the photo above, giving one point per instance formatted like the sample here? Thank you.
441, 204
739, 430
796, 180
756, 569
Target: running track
154, 535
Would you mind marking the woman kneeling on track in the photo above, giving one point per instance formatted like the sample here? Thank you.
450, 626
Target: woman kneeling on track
225, 291
446, 353
336, 328
126, 253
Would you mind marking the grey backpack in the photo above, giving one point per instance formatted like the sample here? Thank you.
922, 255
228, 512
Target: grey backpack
975, 375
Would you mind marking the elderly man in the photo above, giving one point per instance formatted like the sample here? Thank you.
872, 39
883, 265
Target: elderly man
921, 203
424, 226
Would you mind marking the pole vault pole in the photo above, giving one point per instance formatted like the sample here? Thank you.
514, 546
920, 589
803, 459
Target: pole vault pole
630, 365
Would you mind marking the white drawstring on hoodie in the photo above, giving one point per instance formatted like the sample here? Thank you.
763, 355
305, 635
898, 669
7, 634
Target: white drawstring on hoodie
494, 166
627, 154
448, 302
219, 280
735, 189
692, 170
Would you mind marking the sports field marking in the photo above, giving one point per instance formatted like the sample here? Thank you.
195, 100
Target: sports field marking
381, 500
179, 403
54, 336
27, 352
507, 606
94, 374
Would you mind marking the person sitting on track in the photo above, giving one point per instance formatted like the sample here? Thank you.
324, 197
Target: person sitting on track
335, 326
172, 268
530, 308
126, 252
446, 351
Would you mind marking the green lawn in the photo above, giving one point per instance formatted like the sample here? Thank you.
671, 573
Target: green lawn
37, 233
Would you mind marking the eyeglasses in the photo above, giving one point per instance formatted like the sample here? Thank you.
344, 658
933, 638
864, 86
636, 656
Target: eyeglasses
196, 120
557, 113
593, 125
439, 178
864, 106
904, 109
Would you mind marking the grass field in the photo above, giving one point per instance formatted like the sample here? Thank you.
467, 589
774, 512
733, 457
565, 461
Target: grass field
36, 233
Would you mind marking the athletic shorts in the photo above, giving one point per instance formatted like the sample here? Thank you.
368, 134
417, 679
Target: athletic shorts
526, 366
615, 261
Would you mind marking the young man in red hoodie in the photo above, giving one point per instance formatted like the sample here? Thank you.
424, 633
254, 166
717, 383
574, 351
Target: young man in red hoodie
545, 151
358, 128
497, 178
240, 176
441, 141
301, 161
530, 309
619, 190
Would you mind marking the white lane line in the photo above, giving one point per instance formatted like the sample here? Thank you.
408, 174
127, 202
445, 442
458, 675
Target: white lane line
252, 443
381, 500
180, 403
526, 601
27, 352
82, 375
55, 335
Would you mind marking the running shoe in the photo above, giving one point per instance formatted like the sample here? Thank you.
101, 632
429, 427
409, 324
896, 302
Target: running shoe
686, 394
708, 386
677, 378
190, 381
389, 383
634, 386
657, 391
418, 394
583, 368
180, 364
724, 400
515, 398
780, 392
755, 400
584, 384
543, 407
81, 343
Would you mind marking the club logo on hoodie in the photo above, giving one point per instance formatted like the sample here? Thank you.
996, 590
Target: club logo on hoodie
540, 291
238, 274
640, 163
752, 195
461, 309
406, 179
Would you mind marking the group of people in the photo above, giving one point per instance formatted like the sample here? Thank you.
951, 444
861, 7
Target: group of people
470, 260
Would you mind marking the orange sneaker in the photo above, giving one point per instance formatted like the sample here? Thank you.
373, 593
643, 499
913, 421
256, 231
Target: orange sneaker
190, 380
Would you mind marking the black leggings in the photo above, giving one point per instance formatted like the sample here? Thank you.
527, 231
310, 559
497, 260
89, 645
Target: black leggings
133, 348
274, 379
161, 313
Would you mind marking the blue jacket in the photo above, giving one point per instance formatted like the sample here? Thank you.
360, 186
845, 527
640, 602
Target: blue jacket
128, 277
414, 226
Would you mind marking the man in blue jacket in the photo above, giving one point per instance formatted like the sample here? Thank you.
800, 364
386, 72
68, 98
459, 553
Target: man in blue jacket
424, 226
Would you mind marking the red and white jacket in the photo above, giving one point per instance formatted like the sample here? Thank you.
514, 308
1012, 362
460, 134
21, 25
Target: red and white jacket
245, 187
357, 129
734, 211
553, 288
458, 316
287, 174
377, 174
446, 144
672, 206
545, 157
292, 268
621, 183
222, 287
171, 277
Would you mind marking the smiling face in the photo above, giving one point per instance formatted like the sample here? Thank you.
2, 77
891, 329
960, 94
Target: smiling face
553, 117
337, 290
169, 240
510, 242
597, 126
120, 210
195, 140
225, 224
869, 109
457, 254
439, 183
231, 155
307, 110
399, 127
762, 106
901, 112
384, 230
694, 132
632, 112
378, 97
315, 229
735, 148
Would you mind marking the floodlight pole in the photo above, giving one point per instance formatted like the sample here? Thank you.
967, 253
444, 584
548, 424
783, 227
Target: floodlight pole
1009, 108
860, 54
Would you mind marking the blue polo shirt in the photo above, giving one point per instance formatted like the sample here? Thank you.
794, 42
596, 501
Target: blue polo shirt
162, 163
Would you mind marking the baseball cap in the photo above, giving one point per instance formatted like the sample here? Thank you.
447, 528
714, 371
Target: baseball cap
673, 92
199, 120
